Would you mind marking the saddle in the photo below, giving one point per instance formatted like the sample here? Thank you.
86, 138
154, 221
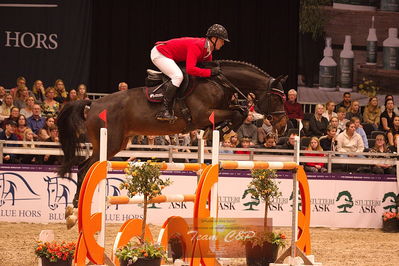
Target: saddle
155, 88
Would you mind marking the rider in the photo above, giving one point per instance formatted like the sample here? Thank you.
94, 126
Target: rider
165, 54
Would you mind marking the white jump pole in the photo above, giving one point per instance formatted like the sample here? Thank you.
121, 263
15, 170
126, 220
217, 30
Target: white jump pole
294, 237
215, 160
201, 147
102, 188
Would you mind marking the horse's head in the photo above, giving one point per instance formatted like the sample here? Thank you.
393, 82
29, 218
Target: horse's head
52, 191
269, 92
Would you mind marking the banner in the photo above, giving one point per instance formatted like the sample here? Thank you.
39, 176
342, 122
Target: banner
45, 40
36, 195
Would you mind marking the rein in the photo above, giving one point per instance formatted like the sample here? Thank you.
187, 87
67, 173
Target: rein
231, 85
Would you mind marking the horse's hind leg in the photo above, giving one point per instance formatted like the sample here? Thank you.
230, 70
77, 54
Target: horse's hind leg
82, 170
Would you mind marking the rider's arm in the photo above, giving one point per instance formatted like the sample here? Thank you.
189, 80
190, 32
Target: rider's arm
193, 53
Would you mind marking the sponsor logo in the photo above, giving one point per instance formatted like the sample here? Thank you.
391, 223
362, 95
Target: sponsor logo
31, 40
299, 207
253, 201
345, 201
58, 191
322, 204
228, 202
13, 188
390, 198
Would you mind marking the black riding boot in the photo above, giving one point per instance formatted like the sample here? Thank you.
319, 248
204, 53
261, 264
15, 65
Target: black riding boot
166, 113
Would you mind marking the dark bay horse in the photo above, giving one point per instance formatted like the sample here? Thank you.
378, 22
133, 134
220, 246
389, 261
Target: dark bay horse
130, 113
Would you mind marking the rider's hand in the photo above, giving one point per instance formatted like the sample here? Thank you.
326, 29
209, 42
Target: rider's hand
215, 71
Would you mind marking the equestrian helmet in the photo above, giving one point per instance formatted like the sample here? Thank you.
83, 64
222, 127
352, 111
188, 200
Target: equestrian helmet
218, 31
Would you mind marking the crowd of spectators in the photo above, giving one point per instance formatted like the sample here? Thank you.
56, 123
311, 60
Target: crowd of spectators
346, 128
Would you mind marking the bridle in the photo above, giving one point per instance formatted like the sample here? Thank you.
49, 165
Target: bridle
269, 91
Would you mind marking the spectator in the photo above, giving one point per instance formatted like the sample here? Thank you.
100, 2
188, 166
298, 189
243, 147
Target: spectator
314, 145
270, 142
53, 137
393, 132
50, 106
381, 147
329, 113
360, 131
9, 134
60, 93
122, 86
21, 97
28, 136
248, 130
334, 122
73, 96
290, 144
244, 143
341, 113
395, 108
42, 135
264, 130
21, 83
3, 94
372, 113
14, 114
226, 144
234, 142
386, 118
354, 110
293, 108
36, 122
21, 127
318, 124
50, 122
328, 142
346, 102
349, 141
82, 92
38, 91
5, 108
27, 111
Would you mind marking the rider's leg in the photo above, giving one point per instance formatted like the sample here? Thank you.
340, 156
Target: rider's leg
169, 68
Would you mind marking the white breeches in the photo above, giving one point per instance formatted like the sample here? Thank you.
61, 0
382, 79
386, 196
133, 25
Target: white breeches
167, 66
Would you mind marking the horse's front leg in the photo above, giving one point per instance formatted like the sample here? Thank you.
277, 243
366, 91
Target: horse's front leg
227, 120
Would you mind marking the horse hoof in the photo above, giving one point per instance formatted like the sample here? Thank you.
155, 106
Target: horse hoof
71, 221
68, 211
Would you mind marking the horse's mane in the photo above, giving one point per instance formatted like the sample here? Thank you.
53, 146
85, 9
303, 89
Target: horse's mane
234, 62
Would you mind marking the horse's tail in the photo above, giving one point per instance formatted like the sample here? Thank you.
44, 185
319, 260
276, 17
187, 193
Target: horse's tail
70, 124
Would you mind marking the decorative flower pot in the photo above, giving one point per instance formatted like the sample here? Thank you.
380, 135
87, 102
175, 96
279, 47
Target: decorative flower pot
47, 262
141, 262
390, 225
259, 256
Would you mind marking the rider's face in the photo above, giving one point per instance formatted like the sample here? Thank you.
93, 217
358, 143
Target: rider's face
219, 43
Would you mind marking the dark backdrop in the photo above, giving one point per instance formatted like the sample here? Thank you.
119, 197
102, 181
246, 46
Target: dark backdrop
264, 33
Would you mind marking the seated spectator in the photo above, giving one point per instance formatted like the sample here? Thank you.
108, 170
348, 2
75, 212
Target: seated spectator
81, 93
390, 97
21, 127
53, 137
21, 97
360, 131
122, 86
14, 115
328, 142
3, 94
27, 111
50, 107
318, 123
244, 143
60, 92
346, 102
29, 158
248, 130
42, 135
329, 113
234, 142
226, 144
349, 141
36, 122
341, 113
73, 96
50, 122
381, 147
314, 145
372, 113
386, 118
393, 132
38, 91
9, 134
290, 144
354, 110
5, 108
270, 141
264, 130
21, 83
334, 122
293, 108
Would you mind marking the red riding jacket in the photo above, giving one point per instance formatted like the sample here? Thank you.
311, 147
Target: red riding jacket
190, 50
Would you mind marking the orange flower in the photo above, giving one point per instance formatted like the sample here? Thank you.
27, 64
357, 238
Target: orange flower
283, 236
145, 254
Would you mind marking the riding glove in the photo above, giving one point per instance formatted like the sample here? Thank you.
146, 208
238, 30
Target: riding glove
215, 71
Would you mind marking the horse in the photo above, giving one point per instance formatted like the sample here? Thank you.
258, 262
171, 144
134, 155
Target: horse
130, 113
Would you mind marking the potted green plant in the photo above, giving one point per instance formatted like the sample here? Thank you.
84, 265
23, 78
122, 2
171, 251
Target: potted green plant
390, 222
55, 253
368, 87
142, 179
263, 248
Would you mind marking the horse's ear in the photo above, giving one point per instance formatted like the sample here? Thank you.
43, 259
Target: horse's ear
276, 81
284, 79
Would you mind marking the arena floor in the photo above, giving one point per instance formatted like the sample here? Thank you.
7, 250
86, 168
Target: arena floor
330, 246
